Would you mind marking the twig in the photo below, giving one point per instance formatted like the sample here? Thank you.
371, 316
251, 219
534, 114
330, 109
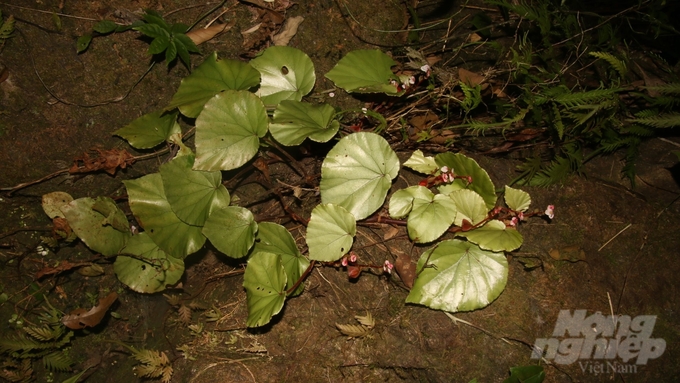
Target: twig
49, 12
616, 235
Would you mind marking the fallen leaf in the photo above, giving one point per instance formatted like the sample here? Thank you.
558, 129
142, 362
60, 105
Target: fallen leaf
94, 270
52, 203
108, 161
199, 36
60, 268
289, 29
568, 253
391, 233
79, 318
470, 78
352, 331
406, 269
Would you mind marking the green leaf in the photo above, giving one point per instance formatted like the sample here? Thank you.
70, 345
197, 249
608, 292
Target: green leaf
274, 238
83, 42
170, 52
330, 232
430, 217
151, 271
287, 74
228, 130
113, 216
365, 71
516, 199
296, 120
154, 31
93, 228
192, 194
470, 206
154, 18
466, 166
421, 164
526, 374
159, 45
458, 276
401, 202
357, 173
265, 282
153, 212
150, 130
105, 27
231, 230
210, 78
494, 236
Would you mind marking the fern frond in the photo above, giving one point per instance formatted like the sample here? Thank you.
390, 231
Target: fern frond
619, 65
672, 88
554, 173
638, 130
587, 97
44, 334
667, 120
665, 101
557, 121
57, 361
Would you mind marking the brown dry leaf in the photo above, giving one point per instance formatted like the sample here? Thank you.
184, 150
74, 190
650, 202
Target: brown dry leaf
61, 267
474, 37
199, 36
406, 269
289, 29
108, 161
568, 253
470, 78
79, 318
391, 233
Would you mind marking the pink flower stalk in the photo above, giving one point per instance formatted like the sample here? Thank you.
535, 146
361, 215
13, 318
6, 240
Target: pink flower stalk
550, 211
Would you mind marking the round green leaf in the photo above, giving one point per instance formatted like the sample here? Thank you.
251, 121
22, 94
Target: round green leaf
150, 130
517, 199
287, 74
228, 130
265, 282
465, 166
358, 172
296, 120
401, 202
330, 232
470, 206
421, 164
231, 230
365, 71
151, 271
153, 212
458, 276
192, 194
274, 238
210, 78
94, 228
494, 236
430, 217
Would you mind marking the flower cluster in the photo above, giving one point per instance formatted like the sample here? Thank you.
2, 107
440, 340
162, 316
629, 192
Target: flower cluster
446, 176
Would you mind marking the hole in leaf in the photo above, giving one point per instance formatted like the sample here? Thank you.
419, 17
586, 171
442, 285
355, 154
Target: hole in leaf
143, 267
284, 70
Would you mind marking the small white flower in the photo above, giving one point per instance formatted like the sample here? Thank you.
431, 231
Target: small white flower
550, 211
331, 94
425, 68
412, 80
445, 169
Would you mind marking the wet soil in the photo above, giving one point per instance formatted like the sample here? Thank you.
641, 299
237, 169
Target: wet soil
621, 243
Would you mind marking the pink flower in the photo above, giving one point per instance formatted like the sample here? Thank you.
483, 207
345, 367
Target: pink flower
344, 261
388, 266
445, 169
352, 257
520, 216
513, 221
550, 211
